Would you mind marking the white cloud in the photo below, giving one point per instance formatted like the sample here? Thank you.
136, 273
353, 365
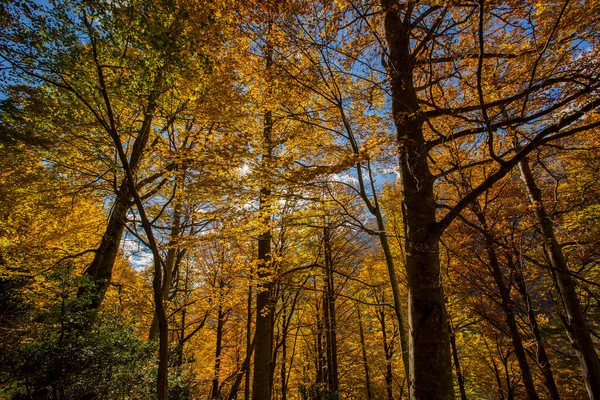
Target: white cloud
137, 254
345, 178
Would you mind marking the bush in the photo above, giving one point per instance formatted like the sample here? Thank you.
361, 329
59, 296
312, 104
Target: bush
66, 353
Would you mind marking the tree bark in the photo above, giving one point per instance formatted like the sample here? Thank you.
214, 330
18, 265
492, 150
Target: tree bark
541, 356
330, 316
575, 322
182, 339
214, 393
387, 351
249, 344
507, 307
375, 209
430, 367
395, 284
99, 272
459, 375
243, 371
283, 370
364, 355
320, 357
261, 384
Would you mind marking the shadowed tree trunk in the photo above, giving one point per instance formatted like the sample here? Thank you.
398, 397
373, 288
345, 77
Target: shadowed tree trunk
459, 375
506, 304
430, 367
575, 322
375, 209
283, 370
387, 351
218, 346
541, 356
319, 356
249, 345
395, 284
330, 315
99, 272
261, 384
364, 355
243, 371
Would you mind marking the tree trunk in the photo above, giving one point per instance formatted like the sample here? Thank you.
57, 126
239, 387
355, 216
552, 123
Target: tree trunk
220, 323
387, 350
430, 367
320, 357
181, 337
283, 371
162, 380
507, 308
398, 306
330, 317
364, 355
243, 371
497, 374
459, 375
541, 356
261, 385
575, 322
249, 344
99, 272
375, 210
510, 387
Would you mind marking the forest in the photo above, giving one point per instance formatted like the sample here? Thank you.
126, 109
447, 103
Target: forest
311, 199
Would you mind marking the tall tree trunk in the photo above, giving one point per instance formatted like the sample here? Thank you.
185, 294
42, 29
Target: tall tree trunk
375, 209
330, 315
575, 322
363, 348
179, 348
261, 384
249, 344
507, 307
162, 380
541, 356
243, 371
398, 305
99, 272
430, 367
320, 357
387, 351
283, 371
511, 389
214, 393
459, 375
496, 370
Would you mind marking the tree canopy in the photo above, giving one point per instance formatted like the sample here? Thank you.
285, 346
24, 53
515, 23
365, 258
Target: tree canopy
299, 200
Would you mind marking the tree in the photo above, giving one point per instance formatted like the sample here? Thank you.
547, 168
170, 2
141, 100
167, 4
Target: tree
411, 33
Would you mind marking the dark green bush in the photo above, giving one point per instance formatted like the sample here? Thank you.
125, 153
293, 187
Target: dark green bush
67, 353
